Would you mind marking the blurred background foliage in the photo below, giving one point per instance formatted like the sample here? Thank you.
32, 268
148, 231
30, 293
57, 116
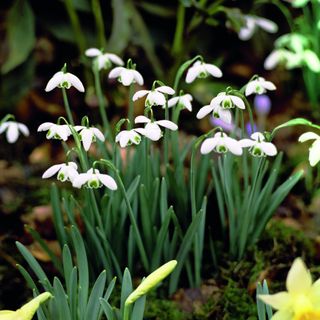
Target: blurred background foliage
38, 37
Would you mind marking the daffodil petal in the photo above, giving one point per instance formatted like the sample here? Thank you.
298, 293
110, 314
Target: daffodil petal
277, 301
299, 278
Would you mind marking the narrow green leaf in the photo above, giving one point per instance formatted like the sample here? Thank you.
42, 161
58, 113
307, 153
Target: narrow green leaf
138, 308
107, 309
60, 299
126, 288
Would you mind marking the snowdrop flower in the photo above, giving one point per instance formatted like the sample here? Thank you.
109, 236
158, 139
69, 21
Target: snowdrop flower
258, 146
27, 311
152, 129
282, 56
66, 171
64, 79
259, 86
126, 76
12, 129
184, 101
221, 143
251, 23
89, 135
217, 112
55, 131
93, 179
314, 150
202, 70
155, 96
127, 137
104, 60
301, 301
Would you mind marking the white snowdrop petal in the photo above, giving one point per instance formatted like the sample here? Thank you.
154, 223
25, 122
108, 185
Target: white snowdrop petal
188, 96
213, 70
139, 94
258, 136
272, 60
234, 146
267, 24
138, 77
238, 102
218, 99
78, 128
114, 58
12, 132
75, 81
152, 131
80, 180
187, 104
115, 72
225, 115
173, 101
72, 174
205, 110
192, 74
141, 119
98, 134
24, 129
86, 135
245, 143
73, 165
156, 98
126, 77
92, 52
308, 136
314, 154
123, 140
269, 85
167, 124
108, 181
250, 88
52, 171
268, 148
166, 90
54, 81
247, 31
208, 145
4, 126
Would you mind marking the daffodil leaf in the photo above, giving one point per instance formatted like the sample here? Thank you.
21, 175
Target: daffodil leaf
20, 35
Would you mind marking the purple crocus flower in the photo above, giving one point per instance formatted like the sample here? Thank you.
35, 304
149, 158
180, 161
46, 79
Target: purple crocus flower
262, 104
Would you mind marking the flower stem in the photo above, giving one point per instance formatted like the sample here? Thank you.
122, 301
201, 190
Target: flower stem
67, 106
178, 36
131, 105
166, 141
96, 9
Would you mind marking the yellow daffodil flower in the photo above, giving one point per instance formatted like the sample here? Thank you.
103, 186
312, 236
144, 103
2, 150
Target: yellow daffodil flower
27, 311
301, 301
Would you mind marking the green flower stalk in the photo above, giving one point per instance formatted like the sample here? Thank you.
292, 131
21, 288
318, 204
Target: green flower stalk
27, 311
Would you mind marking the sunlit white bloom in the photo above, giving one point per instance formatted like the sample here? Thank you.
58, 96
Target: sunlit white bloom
314, 150
217, 112
126, 76
221, 143
228, 101
55, 131
259, 86
64, 80
152, 129
184, 101
284, 57
251, 23
104, 60
202, 70
66, 171
127, 137
12, 129
89, 135
155, 97
94, 179
301, 300
258, 147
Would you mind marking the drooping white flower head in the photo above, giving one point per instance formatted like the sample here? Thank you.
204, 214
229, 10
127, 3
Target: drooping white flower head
228, 101
126, 76
94, 179
217, 112
314, 150
104, 60
55, 131
127, 137
12, 129
184, 101
284, 57
63, 79
258, 147
252, 23
259, 86
201, 70
89, 135
155, 97
66, 171
152, 129
221, 143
